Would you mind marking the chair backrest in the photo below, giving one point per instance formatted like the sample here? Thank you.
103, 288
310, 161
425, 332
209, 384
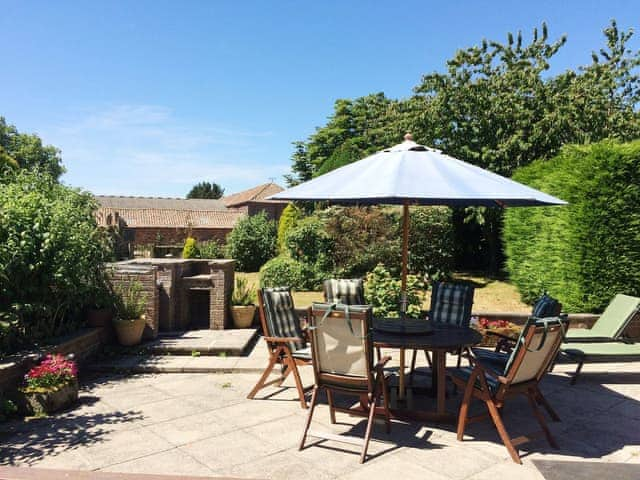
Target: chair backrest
349, 291
451, 303
279, 315
546, 306
341, 344
536, 348
616, 316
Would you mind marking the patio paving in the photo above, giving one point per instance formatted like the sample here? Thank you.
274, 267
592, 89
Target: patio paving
202, 425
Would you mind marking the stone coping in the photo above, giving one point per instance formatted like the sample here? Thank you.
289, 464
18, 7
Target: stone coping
27, 473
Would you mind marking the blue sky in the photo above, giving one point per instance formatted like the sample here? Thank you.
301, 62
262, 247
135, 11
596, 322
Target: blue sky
150, 97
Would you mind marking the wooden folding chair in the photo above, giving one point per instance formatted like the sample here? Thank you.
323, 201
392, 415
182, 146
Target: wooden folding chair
348, 291
342, 355
536, 349
451, 304
284, 337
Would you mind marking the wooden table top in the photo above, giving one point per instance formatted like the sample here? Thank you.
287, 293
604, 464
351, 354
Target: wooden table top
441, 337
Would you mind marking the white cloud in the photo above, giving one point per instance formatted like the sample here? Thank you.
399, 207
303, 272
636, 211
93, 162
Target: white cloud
148, 150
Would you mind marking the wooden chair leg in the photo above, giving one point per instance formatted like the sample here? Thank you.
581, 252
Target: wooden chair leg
543, 401
378, 354
296, 375
426, 354
314, 398
414, 356
531, 395
263, 378
502, 431
332, 412
367, 435
464, 410
286, 370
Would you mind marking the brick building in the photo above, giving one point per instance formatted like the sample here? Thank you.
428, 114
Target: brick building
169, 221
254, 200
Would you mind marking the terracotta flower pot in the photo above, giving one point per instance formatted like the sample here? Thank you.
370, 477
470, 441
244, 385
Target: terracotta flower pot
129, 332
243, 315
40, 401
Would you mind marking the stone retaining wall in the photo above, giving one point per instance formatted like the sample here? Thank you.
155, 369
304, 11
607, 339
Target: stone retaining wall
83, 345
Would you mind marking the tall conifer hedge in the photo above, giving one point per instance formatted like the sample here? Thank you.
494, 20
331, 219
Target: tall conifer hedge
586, 252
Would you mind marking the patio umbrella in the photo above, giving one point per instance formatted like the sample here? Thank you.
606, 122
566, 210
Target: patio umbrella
412, 174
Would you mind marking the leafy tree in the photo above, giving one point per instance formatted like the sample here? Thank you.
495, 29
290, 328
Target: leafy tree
252, 242
496, 106
27, 151
206, 190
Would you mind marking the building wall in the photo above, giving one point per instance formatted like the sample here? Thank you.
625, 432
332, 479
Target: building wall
168, 236
273, 210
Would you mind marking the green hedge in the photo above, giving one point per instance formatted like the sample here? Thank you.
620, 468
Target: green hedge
252, 242
588, 251
284, 271
51, 258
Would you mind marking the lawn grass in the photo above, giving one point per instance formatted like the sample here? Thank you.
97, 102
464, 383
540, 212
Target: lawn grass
491, 295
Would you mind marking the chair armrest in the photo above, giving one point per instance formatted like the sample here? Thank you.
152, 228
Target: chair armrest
283, 339
382, 362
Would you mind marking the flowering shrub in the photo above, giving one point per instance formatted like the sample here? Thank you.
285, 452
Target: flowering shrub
53, 372
491, 324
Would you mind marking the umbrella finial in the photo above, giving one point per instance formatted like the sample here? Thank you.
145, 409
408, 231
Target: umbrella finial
408, 137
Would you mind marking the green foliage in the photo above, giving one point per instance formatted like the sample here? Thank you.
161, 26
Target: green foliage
586, 252
27, 151
289, 218
252, 242
383, 292
285, 271
210, 249
363, 238
431, 242
190, 249
494, 105
243, 294
130, 300
206, 190
51, 256
309, 242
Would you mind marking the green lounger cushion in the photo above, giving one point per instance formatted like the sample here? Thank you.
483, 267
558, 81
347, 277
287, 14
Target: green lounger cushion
611, 323
604, 352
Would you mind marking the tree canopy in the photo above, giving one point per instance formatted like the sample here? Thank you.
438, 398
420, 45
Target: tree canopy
25, 150
495, 105
206, 190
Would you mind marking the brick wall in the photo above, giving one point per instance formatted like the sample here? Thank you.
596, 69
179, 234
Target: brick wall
223, 279
175, 235
147, 275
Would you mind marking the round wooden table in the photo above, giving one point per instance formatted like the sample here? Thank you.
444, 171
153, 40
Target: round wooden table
440, 339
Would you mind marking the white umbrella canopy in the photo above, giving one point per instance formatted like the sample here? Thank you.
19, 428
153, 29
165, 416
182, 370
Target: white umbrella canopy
418, 175
412, 174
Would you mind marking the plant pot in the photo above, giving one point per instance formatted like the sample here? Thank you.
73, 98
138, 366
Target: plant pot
243, 315
129, 332
46, 402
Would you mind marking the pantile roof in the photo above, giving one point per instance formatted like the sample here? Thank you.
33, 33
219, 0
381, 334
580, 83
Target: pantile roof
259, 193
169, 218
111, 201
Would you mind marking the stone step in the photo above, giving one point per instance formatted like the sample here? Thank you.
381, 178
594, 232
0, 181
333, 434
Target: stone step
236, 342
180, 364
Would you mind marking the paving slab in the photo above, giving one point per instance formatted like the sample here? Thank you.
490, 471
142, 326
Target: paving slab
202, 423
235, 342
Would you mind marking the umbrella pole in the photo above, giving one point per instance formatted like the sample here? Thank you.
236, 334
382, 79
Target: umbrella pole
405, 257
